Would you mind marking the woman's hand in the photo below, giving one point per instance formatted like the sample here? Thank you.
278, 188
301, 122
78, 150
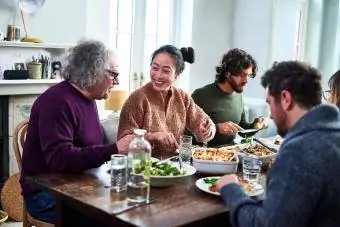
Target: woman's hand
228, 128
166, 138
206, 131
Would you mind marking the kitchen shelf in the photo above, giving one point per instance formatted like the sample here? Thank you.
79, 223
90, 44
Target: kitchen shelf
30, 81
35, 45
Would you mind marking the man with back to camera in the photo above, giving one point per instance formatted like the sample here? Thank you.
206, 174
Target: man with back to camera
303, 188
223, 100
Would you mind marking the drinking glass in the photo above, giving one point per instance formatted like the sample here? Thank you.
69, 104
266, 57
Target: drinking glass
185, 148
118, 172
251, 169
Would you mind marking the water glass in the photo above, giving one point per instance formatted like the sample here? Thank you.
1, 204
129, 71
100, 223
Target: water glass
118, 172
251, 169
185, 148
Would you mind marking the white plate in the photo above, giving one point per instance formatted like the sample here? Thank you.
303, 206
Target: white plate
205, 187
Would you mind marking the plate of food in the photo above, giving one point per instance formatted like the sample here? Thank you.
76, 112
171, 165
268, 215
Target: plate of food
257, 151
168, 173
215, 160
273, 142
208, 185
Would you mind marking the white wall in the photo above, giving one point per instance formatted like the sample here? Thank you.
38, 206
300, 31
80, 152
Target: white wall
322, 39
264, 28
183, 25
98, 20
212, 21
252, 28
61, 21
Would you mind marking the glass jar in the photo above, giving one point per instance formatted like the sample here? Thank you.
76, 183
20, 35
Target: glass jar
139, 165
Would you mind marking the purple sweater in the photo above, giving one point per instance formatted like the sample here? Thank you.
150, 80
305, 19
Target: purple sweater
63, 135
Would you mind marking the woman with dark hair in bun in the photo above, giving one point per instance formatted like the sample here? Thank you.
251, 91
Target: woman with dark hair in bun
163, 110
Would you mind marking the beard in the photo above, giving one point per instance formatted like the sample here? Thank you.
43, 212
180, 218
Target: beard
235, 86
281, 132
280, 121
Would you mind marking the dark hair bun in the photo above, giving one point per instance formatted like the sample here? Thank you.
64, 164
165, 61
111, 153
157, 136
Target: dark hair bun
188, 54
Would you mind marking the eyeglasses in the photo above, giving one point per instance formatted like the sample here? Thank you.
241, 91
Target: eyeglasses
326, 94
113, 73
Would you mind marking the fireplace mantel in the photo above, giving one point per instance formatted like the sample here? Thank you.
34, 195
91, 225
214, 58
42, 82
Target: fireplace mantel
25, 87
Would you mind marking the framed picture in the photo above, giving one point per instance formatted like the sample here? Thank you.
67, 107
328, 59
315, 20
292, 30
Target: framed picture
19, 66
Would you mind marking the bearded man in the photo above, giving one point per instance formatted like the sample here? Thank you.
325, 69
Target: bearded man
223, 100
302, 186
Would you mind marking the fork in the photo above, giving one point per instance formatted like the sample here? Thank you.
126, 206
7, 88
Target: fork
180, 162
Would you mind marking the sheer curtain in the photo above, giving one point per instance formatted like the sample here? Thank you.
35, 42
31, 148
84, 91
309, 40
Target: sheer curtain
322, 48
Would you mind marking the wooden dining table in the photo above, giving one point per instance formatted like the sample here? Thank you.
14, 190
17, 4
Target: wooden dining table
87, 194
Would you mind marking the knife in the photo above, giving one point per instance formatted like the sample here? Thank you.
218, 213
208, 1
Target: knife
119, 210
166, 160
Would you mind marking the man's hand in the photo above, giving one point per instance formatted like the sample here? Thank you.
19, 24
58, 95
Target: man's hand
228, 128
166, 138
226, 179
123, 144
261, 123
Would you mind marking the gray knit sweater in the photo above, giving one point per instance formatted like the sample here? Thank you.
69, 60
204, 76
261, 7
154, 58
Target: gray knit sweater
303, 188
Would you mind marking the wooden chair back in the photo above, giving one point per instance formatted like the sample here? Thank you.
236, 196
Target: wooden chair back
19, 136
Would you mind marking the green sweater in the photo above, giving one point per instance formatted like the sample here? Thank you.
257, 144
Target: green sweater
221, 107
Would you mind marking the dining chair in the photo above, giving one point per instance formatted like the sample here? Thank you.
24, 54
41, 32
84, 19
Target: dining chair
19, 137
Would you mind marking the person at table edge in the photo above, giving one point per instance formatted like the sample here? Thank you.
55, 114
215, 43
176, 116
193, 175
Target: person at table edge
303, 188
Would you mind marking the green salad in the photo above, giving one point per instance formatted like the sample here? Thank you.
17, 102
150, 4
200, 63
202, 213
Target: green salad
164, 169
247, 139
2, 215
211, 181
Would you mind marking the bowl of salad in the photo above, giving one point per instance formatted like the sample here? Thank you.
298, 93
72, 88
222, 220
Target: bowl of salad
169, 173
3, 216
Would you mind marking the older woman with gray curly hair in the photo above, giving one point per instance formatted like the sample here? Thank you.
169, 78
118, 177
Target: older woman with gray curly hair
64, 132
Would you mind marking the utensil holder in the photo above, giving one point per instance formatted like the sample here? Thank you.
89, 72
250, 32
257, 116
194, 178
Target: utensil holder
34, 70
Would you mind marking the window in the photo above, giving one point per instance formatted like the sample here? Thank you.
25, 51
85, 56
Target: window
300, 27
138, 28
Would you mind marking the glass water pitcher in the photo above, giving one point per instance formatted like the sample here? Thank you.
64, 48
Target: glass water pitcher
139, 165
